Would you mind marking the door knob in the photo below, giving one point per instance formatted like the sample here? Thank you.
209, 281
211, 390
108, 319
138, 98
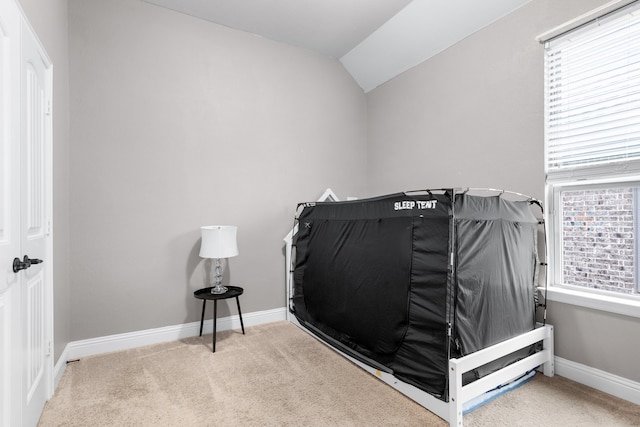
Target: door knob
19, 265
31, 260
25, 263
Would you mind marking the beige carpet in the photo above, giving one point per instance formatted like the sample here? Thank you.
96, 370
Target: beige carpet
278, 375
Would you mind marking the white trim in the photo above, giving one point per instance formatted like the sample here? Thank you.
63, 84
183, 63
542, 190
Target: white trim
582, 19
49, 234
328, 195
59, 367
597, 301
118, 342
600, 380
625, 304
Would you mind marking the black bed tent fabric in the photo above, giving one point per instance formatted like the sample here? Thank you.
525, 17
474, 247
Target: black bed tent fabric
403, 282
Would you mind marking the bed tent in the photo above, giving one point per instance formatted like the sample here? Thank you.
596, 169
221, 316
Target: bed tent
405, 282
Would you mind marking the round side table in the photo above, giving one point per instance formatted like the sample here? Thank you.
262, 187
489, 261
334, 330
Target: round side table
206, 295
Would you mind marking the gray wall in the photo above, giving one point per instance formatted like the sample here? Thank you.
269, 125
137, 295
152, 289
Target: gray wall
472, 116
177, 123
49, 20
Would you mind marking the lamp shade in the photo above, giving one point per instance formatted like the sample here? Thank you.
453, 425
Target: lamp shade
218, 241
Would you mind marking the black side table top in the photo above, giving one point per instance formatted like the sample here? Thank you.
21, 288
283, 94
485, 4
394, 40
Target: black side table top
205, 293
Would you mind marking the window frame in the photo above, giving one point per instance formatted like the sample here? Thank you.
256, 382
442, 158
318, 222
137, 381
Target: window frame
614, 174
558, 291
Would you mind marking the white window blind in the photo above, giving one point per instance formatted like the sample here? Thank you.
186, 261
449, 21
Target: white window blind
592, 96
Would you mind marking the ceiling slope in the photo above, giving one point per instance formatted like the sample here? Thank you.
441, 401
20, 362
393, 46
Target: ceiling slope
331, 27
419, 31
374, 39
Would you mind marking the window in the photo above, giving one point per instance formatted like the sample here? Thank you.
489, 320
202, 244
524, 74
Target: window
598, 240
592, 152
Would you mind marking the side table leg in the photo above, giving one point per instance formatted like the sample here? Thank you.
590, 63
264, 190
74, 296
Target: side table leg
215, 322
204, 304
240, 314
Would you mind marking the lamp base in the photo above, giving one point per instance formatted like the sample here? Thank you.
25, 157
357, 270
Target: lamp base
217, 290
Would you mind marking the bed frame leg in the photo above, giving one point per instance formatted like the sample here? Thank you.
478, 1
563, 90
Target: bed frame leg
455, 394
547, 345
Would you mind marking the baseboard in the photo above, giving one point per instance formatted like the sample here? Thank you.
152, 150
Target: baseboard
110, 343
59, 367
600, 380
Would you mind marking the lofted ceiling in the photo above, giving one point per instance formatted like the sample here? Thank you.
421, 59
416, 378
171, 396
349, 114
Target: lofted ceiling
374, 39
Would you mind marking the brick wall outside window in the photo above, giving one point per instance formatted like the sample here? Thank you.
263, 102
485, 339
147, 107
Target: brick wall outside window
598, 239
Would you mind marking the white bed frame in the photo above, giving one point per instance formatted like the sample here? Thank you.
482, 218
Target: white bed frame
451, 411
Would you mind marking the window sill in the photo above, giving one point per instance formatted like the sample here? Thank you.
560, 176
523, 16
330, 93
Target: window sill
611, 304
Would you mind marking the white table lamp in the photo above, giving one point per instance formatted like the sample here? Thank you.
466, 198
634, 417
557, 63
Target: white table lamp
218, 241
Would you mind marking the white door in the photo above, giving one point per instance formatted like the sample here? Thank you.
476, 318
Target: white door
10, 341
26, 364
35, 137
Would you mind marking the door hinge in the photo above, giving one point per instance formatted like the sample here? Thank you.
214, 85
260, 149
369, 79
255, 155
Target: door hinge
49, 349
49, 108
48, 227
